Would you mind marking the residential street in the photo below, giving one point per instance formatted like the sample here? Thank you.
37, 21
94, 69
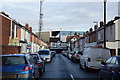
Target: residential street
62, 67
60, 39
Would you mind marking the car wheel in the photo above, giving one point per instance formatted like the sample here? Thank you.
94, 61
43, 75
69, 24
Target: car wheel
80, 66
34, 77
41, 71
44, 69
86, 68
38, 76
100, 77
113, 78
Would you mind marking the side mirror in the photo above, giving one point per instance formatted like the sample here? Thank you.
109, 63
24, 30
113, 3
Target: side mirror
103, 63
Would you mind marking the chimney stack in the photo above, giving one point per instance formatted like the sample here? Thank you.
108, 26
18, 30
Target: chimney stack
86, 33
116, 18
2, 12
90, 30
101, 23
95, 27
30, 28
27, 26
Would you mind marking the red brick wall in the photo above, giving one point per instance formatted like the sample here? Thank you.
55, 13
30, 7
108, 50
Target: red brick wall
10, 50
0, 30
31, 38
5, 30
19, 33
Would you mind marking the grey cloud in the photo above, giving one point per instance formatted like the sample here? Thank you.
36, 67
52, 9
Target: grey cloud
65, 15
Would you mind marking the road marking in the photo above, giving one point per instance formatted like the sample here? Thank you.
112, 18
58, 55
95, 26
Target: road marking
72, 77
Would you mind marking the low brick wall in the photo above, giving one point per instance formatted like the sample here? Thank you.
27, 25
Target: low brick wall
10, 50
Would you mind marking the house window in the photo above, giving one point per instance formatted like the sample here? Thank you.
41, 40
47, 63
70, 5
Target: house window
99, 36
118, 51
12, 31
113, 52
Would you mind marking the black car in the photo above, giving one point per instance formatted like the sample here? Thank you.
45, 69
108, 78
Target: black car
110, 69
39, 62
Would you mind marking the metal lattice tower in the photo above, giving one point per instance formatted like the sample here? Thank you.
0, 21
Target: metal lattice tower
40, 19
119, 8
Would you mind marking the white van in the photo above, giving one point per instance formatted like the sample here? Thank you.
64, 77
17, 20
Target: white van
92, 57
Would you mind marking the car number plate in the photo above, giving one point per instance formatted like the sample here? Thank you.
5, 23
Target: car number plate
99, 60
9, 76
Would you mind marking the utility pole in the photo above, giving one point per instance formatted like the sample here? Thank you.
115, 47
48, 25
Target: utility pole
40, 20
105, 1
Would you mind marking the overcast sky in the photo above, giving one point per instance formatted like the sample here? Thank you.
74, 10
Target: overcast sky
65, 15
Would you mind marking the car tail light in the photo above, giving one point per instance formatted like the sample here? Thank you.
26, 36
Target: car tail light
88, 59
38, 64
77, 55
27, 68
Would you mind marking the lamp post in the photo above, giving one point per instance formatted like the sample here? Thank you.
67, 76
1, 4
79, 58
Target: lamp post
105, 1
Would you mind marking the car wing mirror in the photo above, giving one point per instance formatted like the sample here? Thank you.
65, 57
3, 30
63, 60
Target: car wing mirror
103, 63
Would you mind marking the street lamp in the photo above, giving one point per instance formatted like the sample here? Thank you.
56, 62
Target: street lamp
105, 1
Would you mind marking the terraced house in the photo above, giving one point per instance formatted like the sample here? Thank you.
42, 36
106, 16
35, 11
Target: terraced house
16, 38
95, 38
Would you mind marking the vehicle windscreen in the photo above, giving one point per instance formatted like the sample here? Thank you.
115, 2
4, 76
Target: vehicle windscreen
119, 60
43, 52
35, 57
17, 60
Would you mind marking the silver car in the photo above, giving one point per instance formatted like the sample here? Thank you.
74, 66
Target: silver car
45, 54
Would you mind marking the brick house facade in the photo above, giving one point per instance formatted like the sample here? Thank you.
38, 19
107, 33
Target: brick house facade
16, 37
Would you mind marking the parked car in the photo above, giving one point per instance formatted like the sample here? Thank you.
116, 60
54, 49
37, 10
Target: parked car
52, 53
70, 54
19, 66
45, 54
76, 56
92, 57
110, 69
65, 52
39, 62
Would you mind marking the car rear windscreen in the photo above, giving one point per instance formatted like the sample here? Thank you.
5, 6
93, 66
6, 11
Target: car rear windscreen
43, 52
35, 57
17, 60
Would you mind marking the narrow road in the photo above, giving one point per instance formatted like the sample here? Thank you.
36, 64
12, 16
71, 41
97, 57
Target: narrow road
62, 67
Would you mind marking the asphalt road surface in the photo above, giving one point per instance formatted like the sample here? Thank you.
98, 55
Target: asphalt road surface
62, 67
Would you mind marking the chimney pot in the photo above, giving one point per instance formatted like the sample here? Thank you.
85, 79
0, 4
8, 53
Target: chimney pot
27, 26
116, 17
95, 27
90, 29
101, 24
30, 29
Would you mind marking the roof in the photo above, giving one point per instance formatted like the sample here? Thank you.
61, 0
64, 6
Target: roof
14, 55
77, 37
70, 37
